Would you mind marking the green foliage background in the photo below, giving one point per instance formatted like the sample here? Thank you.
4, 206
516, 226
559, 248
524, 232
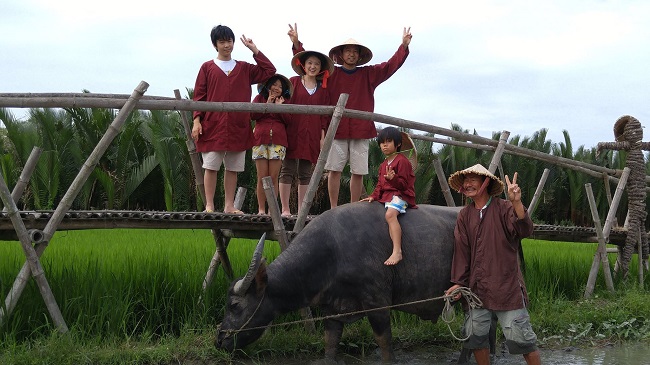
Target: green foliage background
147, 167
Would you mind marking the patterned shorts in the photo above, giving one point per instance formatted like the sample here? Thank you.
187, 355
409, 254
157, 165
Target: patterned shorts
269, 152
397, 203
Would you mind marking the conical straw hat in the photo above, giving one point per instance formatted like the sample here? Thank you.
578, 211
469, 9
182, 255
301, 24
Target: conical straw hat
365, 55
408, 149
456, 179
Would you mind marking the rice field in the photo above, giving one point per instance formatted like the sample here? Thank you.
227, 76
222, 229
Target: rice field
146, 283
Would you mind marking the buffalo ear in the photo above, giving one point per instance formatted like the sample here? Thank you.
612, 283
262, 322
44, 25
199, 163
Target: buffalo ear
242, 285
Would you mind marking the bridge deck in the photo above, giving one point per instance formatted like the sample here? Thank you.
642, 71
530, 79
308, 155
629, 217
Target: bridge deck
243, 226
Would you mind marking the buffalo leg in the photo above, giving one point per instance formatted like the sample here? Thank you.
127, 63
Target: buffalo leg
333, 332
380, 323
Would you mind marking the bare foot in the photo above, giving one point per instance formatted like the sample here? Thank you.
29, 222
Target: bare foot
394, 258
286, 214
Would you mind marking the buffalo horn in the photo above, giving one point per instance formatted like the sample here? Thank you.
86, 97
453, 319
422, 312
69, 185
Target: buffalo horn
242, 285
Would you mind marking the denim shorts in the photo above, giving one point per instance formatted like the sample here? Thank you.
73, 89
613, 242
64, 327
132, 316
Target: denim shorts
515, 325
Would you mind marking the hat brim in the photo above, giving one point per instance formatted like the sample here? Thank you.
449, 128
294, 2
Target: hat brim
287, 86
365, 54
298, 62
456, 179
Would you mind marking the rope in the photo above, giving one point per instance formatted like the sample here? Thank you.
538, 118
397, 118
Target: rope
447, 313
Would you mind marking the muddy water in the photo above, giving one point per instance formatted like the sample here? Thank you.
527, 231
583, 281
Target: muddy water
629, 354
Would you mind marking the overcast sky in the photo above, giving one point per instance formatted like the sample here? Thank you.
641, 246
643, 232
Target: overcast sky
486, 65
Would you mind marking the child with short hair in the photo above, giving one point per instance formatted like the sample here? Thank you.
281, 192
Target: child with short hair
395, 187
270, 135
224, 137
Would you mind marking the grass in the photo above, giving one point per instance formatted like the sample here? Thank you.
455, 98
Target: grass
131, 296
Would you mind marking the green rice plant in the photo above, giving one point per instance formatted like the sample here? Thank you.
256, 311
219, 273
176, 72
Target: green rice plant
125, 283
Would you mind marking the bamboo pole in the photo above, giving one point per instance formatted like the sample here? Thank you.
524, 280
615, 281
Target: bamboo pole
21, 279
608, 191
601, 252
444, 184
221, 241
639, 255
278, 226
274, 210
25, 175
191, 148
611, 214
496, 157
320, 163
538, 192
16, 101
32, 262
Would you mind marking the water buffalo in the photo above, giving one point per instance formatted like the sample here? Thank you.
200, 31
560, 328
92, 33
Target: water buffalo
336, 263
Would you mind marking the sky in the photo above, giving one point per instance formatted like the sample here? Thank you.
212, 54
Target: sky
487, 66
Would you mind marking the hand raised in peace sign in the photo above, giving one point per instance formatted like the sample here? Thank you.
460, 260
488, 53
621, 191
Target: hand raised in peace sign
514, 192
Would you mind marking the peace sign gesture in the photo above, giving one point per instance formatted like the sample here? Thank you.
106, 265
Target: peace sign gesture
514, 192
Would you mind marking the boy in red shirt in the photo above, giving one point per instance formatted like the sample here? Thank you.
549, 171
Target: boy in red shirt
395, 187
224, 137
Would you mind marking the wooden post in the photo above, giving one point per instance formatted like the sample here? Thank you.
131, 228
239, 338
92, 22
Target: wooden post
74, 189
503, 140
191, 148
639, 255
601, 253
33, 264
221, 241
611, 214
608, 191
25, 175
274, 210
444, 184
320, 164
533, 202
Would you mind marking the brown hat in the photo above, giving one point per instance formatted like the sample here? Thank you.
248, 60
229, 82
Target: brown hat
408, 149
365, 55
456, 179
287, 86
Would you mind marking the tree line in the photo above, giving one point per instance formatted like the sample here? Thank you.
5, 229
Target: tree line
148, 167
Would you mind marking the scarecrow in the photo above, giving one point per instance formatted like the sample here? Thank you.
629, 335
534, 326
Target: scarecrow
628, 133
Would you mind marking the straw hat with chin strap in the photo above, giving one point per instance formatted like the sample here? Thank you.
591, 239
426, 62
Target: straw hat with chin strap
365, 55
456, 179
326, 69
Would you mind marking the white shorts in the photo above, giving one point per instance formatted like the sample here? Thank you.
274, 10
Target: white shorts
232, 160
353, 150
397, 203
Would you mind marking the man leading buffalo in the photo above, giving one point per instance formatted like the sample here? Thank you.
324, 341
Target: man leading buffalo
486, 250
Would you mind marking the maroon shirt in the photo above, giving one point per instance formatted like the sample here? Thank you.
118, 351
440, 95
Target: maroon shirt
228, 131
360, 84
270, 128
304, 131
486, 254
402, 184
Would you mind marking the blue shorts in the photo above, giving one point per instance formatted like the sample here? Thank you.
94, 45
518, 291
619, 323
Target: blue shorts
397, 203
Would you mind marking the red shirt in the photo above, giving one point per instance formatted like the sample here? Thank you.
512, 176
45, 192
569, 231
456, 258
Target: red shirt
304, 131
402, 184
269, 127
360, 84
228, 131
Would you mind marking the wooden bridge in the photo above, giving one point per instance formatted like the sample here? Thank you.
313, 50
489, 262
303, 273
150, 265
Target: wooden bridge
250, 226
